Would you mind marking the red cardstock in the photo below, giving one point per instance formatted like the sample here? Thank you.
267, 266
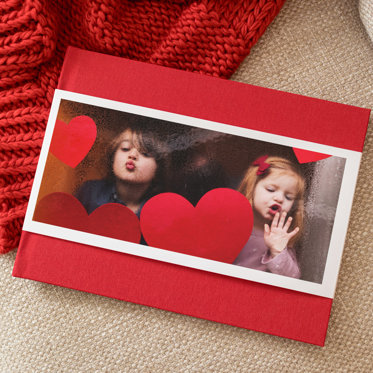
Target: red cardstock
189, 291
78, 136
110, 220
306, 156
217, 228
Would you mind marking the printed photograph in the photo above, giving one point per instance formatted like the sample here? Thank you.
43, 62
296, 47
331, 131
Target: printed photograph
177, 187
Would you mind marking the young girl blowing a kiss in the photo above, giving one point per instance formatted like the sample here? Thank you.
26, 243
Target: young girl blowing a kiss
136, 167
275, 188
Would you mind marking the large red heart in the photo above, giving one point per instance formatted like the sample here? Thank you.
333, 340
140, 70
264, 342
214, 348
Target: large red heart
217, 228
71, 142
306, 156
110, 220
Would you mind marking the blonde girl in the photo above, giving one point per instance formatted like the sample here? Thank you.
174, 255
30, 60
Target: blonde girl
275, 188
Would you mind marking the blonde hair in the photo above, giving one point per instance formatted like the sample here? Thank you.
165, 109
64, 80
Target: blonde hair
280, 165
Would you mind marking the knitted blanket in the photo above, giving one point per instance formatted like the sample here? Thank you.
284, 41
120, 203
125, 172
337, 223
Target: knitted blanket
205, 36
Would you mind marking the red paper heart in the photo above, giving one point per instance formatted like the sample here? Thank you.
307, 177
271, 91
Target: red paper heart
71, 142
110, 220
217, 228
306, 156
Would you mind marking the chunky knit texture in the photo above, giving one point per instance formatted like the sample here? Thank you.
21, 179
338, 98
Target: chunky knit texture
206, 36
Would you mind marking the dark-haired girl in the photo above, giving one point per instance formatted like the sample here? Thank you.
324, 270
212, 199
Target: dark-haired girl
136, 171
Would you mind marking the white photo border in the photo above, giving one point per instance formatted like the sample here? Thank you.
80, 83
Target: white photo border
340, 225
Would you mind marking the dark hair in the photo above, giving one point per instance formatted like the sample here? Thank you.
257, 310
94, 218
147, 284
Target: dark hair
200, 175
150, 138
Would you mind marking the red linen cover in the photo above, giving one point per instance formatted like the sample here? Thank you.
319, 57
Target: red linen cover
215, 297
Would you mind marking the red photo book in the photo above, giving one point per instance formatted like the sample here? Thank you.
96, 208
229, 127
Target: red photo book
171, 252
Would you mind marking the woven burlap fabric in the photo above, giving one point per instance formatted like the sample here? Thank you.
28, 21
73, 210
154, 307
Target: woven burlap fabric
316, 48
366, 15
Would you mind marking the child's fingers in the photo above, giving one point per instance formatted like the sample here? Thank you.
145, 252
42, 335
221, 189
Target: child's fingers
293, 233
288, 223
266, 228
275, 220
282, 220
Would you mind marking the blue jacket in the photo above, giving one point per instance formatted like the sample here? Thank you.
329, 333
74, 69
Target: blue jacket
95, 193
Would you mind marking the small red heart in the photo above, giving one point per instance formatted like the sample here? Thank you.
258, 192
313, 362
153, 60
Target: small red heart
71, 142
110, 220
217, 228
306, 156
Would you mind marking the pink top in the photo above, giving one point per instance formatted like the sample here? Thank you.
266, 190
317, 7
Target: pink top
255, 255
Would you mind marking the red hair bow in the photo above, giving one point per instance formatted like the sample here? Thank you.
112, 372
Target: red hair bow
263, 166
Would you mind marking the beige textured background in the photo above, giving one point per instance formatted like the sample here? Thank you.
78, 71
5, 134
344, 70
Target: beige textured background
316, 48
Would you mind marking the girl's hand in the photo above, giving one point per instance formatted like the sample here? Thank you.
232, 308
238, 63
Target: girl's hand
277, 237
